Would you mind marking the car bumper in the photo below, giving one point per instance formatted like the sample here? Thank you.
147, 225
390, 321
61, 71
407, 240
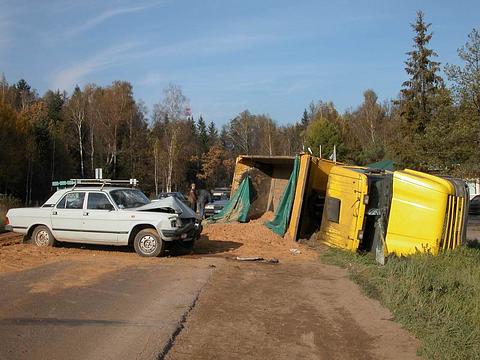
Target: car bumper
187, 232
211, 212
8, 228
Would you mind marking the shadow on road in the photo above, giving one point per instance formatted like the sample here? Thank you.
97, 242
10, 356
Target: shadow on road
202, 246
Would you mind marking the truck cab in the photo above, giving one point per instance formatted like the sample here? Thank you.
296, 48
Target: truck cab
401, 212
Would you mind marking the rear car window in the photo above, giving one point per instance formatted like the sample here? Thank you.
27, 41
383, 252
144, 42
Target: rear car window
333, 209
98, 201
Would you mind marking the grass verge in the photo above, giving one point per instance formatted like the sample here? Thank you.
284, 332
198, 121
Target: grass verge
436, 298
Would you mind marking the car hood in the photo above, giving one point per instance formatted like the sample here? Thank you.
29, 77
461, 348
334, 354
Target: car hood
172, 203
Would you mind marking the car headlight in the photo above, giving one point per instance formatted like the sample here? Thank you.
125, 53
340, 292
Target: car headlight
209, 207
174, 221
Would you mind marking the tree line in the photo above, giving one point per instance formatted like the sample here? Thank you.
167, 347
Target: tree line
432, 125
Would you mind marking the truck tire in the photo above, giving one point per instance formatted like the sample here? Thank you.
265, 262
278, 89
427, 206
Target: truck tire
42, 236
148, 243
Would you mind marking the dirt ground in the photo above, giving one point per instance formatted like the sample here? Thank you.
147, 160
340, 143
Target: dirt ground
297, 308
289, 311
223, 240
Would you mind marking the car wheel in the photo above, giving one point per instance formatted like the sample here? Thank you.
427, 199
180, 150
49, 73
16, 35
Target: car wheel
42, 236
148, 243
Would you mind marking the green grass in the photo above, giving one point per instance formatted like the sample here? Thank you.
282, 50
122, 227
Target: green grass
436, 298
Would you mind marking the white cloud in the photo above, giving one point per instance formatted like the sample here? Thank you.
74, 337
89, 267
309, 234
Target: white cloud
104, 16
68, 77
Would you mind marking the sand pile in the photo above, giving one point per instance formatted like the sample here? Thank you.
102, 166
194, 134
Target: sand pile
250, 239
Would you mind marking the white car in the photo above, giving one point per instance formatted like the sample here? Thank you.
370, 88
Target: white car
109, 216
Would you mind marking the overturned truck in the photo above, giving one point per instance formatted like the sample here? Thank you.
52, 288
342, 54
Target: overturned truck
358, 208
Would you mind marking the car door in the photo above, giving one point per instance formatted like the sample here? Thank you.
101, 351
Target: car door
67, 217
100, 219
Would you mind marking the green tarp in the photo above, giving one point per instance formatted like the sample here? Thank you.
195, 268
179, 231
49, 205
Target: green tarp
281, 219
383, 164
238, 206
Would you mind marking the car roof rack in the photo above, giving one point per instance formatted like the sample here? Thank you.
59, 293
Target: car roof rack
93, 182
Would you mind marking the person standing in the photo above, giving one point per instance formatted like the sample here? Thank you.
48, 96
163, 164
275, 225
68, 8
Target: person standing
204, 197
192, 197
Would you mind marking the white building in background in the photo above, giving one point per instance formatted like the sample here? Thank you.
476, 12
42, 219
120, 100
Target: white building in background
473, 187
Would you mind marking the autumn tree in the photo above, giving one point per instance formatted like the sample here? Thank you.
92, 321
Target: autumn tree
466, 78
365, 127
77, 110
170, 140
217, 167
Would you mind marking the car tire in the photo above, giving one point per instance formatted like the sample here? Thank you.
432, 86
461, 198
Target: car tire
42, 237
148, 243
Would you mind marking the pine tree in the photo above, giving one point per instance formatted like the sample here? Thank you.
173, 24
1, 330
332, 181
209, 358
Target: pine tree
202, 134
212, 134
305, 119
417, 95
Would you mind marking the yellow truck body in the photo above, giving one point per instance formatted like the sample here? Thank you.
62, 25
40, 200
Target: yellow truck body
270, 174
359, 208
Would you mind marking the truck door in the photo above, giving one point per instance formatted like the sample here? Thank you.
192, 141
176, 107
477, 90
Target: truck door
342, 219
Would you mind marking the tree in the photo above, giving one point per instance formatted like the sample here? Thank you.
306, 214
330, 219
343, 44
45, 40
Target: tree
241, 133
212, 134
266, 135
77, 109
417, 95
202, 135
365, 126
54, 102
466, 86
466, 79
305, 119
12, 148
448, 140
325, 133
170, 125
217, 167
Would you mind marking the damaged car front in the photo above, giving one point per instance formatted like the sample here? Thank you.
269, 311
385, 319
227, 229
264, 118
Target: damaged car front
182, 224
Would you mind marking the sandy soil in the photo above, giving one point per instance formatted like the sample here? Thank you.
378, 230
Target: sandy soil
252, 239
298, 308
289, 311
223, 240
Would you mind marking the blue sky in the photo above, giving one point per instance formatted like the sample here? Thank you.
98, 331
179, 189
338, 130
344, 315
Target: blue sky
269, 57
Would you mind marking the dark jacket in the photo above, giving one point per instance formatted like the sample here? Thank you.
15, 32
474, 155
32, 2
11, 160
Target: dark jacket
204, 196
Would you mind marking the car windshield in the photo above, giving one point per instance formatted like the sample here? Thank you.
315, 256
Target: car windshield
129, 198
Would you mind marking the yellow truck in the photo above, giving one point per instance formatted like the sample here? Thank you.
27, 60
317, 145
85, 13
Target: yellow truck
400, 212
359, 208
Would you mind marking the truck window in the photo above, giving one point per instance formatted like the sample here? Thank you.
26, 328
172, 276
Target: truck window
98, 201
333, 209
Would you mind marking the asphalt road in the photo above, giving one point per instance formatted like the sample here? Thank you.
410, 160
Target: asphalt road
127, 312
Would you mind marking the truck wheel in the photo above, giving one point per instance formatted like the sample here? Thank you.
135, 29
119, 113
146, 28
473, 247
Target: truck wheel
42, 236
148, 243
